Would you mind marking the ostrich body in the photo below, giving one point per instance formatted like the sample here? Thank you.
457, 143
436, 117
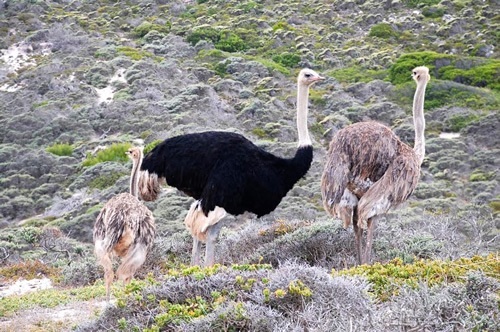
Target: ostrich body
125, 227
369, 170
225, 172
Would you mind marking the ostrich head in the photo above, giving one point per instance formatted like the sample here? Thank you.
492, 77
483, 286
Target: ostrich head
308, 76
134, 153
421, 74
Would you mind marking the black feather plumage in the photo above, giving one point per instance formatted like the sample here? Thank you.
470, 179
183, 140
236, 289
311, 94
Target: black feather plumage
227, 170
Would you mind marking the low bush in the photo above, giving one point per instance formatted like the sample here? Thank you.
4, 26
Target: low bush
287, 59
419, 3
473, 71
383, 30
387, 279
458, 122
105, 181
433, 11
60, 149
446, 93
482, 75
203, 33
142, 29
230, 42
28, 270
133, 53
116, 152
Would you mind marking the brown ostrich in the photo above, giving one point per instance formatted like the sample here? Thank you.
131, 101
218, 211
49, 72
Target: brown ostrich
369, 170
125, 227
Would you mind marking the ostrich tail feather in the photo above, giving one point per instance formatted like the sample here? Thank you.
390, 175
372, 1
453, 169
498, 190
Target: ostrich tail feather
149, 186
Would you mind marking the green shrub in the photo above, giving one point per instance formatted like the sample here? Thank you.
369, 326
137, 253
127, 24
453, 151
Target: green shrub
248, 6
142, 29
221, 68
105, 181
133, 53
205, 33
287, 59
28, 270
60, 149
482, 75
458, 122
30, 234
282, 25
451, 93
481, 176
387, 279
433, 11
400, 71
383, 30
230, 42
317, 97
466, 70
495, 206
115, 152
420, 3
269, 64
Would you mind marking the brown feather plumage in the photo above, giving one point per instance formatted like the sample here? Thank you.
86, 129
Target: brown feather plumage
125, 228
369, 170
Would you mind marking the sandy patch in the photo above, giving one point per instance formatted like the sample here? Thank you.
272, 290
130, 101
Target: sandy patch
105, 95
24, 286
449, 135
19, 56
59, 319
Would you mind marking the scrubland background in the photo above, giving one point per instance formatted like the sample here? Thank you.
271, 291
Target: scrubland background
82, 81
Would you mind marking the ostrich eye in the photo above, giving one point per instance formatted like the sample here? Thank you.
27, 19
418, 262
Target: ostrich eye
307, 75
414, 73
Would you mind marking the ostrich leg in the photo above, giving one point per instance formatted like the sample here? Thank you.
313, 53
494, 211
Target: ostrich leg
358, 237
195, 254
369, 238
212, 235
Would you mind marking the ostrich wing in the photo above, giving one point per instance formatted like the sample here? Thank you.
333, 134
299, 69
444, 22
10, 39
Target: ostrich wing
393, 188
109, 225
224, 188
334, 181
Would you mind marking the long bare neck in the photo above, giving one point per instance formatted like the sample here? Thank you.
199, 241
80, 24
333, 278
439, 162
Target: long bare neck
302, 109
134, 177
419, 120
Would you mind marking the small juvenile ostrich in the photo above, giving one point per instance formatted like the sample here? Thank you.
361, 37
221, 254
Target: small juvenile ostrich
369, 170
225, 172
125, 227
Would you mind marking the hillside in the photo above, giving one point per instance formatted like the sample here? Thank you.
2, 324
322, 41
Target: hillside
80, 82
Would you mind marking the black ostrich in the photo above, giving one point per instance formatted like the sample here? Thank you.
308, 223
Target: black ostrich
225, 172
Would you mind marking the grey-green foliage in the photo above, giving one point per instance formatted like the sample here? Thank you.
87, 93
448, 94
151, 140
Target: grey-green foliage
329, 295
436, 308
82, 271
323, 244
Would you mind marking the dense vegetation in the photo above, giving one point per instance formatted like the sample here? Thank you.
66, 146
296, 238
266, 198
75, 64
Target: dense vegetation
96, 77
